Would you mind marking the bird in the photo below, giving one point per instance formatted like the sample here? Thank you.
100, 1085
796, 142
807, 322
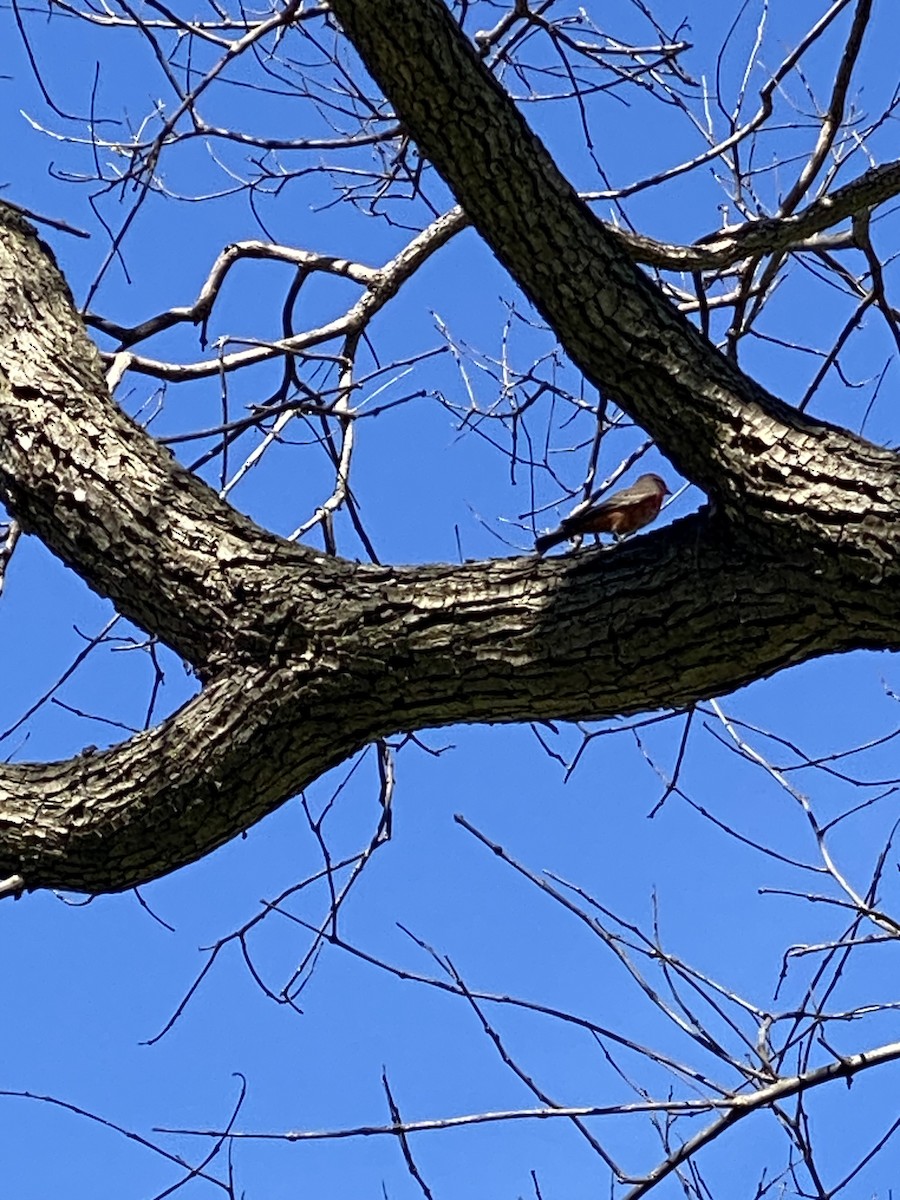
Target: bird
622, 513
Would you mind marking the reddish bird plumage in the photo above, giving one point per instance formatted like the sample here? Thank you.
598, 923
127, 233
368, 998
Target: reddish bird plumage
620, 514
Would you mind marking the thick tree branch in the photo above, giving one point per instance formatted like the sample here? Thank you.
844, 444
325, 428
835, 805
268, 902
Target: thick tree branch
715, 251
715, 423
676, 615
308, 658
109, 500
769, 235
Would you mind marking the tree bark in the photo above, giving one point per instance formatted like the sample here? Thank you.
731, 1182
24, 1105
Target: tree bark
304, 658
719, 427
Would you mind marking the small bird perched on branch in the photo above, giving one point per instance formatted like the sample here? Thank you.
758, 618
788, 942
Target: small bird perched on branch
622, 513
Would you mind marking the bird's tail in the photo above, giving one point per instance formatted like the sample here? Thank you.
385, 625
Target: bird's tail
547, 540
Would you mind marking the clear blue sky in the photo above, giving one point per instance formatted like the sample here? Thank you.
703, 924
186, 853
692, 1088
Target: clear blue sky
87, 985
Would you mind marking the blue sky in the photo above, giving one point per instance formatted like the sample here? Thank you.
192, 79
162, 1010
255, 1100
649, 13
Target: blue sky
89, 984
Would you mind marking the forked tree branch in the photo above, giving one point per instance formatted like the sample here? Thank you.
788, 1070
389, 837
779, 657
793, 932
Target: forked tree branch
307, 658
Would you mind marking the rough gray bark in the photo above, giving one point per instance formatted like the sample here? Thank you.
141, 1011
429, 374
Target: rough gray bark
720, 428
305, 659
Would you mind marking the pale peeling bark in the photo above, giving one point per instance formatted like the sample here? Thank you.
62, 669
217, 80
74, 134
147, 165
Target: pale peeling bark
305, 659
